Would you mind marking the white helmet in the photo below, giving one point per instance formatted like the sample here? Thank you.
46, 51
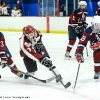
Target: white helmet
98, 2
95, 24
82, 3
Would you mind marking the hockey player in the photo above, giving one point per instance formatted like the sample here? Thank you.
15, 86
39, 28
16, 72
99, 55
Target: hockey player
5, 57
92, 34
98, 9
32, 50
77, 24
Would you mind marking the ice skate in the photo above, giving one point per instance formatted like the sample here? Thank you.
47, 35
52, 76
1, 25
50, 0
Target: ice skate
67, 56
19, 74
96, 75
27, 75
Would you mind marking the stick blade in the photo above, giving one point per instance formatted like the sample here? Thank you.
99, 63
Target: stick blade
67, 85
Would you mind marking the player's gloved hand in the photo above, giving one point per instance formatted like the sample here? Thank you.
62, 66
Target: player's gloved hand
85, 25
78, 29
3, 62
95, 46
46, 62
79, 57
38, 47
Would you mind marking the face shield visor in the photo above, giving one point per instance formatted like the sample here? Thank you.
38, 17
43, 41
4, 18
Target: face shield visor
96, 27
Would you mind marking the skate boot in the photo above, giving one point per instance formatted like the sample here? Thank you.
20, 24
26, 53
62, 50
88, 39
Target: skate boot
67, 56
96, 75
19, 74
16, 72
58, 78
28, 74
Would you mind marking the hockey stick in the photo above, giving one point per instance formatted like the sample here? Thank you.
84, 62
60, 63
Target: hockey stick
44, 81
87, 52
76, 76
65, 85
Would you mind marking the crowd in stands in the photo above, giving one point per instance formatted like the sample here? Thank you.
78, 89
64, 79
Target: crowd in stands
5, 9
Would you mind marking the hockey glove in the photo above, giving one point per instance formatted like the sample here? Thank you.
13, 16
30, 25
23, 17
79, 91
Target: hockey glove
79, 57
78, 29
95, 46
46, 62
85, 25
3, 62
38, 47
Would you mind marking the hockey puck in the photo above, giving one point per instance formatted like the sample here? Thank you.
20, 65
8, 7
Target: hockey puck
0, 76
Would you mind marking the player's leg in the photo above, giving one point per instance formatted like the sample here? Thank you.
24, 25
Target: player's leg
11, 65
97, 64
52, 69
31, 66
72, 39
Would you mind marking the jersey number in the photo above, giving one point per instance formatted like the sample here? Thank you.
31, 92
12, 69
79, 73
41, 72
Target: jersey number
83, 38
1, 44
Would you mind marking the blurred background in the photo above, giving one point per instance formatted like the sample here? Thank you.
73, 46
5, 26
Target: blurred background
50, 7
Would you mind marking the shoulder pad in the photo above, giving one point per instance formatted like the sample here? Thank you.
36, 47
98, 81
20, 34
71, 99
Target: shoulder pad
86, 10
1, 34
76, 11
88, 30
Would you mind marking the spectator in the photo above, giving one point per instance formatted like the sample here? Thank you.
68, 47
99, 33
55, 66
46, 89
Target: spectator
0, 9
98, 9
18, 5
16, 12
5, 9
1, 2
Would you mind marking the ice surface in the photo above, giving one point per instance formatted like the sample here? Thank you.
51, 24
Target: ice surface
15, 88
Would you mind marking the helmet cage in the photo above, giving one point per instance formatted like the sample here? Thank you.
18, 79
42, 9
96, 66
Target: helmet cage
95, 27
29, 32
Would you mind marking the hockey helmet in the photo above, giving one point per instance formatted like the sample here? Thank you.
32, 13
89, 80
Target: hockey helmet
95, 24
29, 31
82, 3
98, 2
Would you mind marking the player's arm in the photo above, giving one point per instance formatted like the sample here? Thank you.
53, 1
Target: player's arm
31, 53
82, 43
77, 26
73, 19
2, 50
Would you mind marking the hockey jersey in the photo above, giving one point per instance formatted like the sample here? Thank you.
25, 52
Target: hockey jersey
77, 18
27, 47
88, 35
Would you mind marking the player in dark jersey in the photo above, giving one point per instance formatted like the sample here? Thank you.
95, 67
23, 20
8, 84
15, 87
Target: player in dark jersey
5, 57
98, 9
77, 25
92, 34
33, 50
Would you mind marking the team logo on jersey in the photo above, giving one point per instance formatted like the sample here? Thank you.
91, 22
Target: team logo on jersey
27, 44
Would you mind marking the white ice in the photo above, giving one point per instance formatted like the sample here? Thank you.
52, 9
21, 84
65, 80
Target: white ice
15, 88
